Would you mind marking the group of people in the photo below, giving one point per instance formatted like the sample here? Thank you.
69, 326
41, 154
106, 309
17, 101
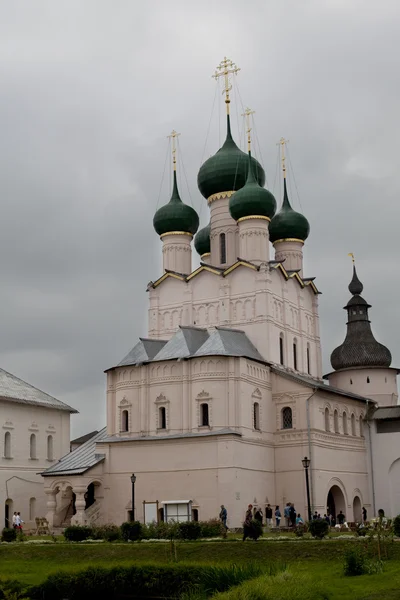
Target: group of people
17, 521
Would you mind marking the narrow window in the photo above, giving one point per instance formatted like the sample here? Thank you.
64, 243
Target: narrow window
295, 355
49, 447
256, 416
308, 360
281, 358
336, 421
287, 418
361, 426
162, 418
353, 425
368, 380
7, 445
32, 509
327, 424
345, 424
222, 248
32, 446
351, 382
204, 420
124, 421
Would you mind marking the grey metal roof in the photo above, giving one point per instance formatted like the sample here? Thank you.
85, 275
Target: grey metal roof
16, 390
175, 436
145, 350
183, 344
229, 342
316, 383
84, 438
80, 460
387, 412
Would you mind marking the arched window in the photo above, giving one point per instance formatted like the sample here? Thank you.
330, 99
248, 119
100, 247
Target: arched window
345, 431
295, 355
204, 419
368, 381
49, 447
281, 350
7, 445
353, 425
287, 422
351, 382
32, 508
256, 416
32, 446
361, 426
222, 248
162, 418
308, 360
336, 421
327, 418
124, 420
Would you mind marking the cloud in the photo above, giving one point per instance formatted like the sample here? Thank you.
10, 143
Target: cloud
89, 93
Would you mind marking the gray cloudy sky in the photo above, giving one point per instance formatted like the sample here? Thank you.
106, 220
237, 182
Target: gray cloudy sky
89, 91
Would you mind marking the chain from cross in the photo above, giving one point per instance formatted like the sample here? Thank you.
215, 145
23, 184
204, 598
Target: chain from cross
247, 114
173, 136
282, 143
224, 69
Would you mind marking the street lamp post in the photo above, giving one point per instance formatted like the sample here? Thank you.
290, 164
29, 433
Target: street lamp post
133, 479
306, 465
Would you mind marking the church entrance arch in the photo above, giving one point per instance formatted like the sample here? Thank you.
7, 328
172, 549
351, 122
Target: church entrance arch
8, 512
357, 510
335, 501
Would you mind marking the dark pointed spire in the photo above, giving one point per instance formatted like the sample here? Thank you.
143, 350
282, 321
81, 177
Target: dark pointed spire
355, 285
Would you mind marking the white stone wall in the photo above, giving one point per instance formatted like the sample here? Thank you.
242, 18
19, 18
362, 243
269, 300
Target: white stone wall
20, 483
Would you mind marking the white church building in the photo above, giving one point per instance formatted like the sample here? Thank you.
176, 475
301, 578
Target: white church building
222, 399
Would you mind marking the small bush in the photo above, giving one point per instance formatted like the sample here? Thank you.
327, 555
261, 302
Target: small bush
132, 531
8, 535
189, 530
318, 528
77, 533
355, 562
396, 526
10, 589
212, 528
109, 532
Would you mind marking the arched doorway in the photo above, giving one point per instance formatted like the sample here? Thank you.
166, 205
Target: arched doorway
357, 510
336, 502
8, 512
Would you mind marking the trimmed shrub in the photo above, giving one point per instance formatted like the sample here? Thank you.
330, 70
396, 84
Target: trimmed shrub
212, 528
11, 588
189, 530
109, 532
318, 528
396, 526
77, 533
355, 562
132, 531
8, 534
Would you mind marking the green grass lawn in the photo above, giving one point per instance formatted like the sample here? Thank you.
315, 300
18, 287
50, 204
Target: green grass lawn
320, 562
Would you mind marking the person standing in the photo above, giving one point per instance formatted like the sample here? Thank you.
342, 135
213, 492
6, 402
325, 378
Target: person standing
259, 516
364, 514
18, 521
277, 516
299, 520
292, 515
247, 522
14, 518
286, 514
341, 518
268, 515
223, 515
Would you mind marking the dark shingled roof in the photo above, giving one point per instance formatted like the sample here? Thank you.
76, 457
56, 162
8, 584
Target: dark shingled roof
84, 438
386, 413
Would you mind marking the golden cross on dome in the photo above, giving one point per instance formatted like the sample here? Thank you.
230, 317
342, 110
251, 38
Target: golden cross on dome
282, 143
247, 114
173, 135
353, 260
225, 69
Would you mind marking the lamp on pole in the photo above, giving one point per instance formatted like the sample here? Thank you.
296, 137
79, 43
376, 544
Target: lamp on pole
306, 465
133, 479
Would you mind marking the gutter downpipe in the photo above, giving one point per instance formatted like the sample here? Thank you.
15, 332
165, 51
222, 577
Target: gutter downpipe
371, 459
309, 448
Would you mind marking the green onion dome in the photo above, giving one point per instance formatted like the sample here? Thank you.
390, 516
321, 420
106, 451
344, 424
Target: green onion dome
227, 170
252, 199
202, 240
176, 216
287, 223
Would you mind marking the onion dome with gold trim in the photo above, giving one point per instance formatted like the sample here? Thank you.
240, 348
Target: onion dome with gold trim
360, 348
226, 171
252, 199
287, 223
176, 216
202, 241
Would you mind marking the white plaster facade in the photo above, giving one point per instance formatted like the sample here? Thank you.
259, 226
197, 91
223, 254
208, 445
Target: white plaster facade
34, 435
